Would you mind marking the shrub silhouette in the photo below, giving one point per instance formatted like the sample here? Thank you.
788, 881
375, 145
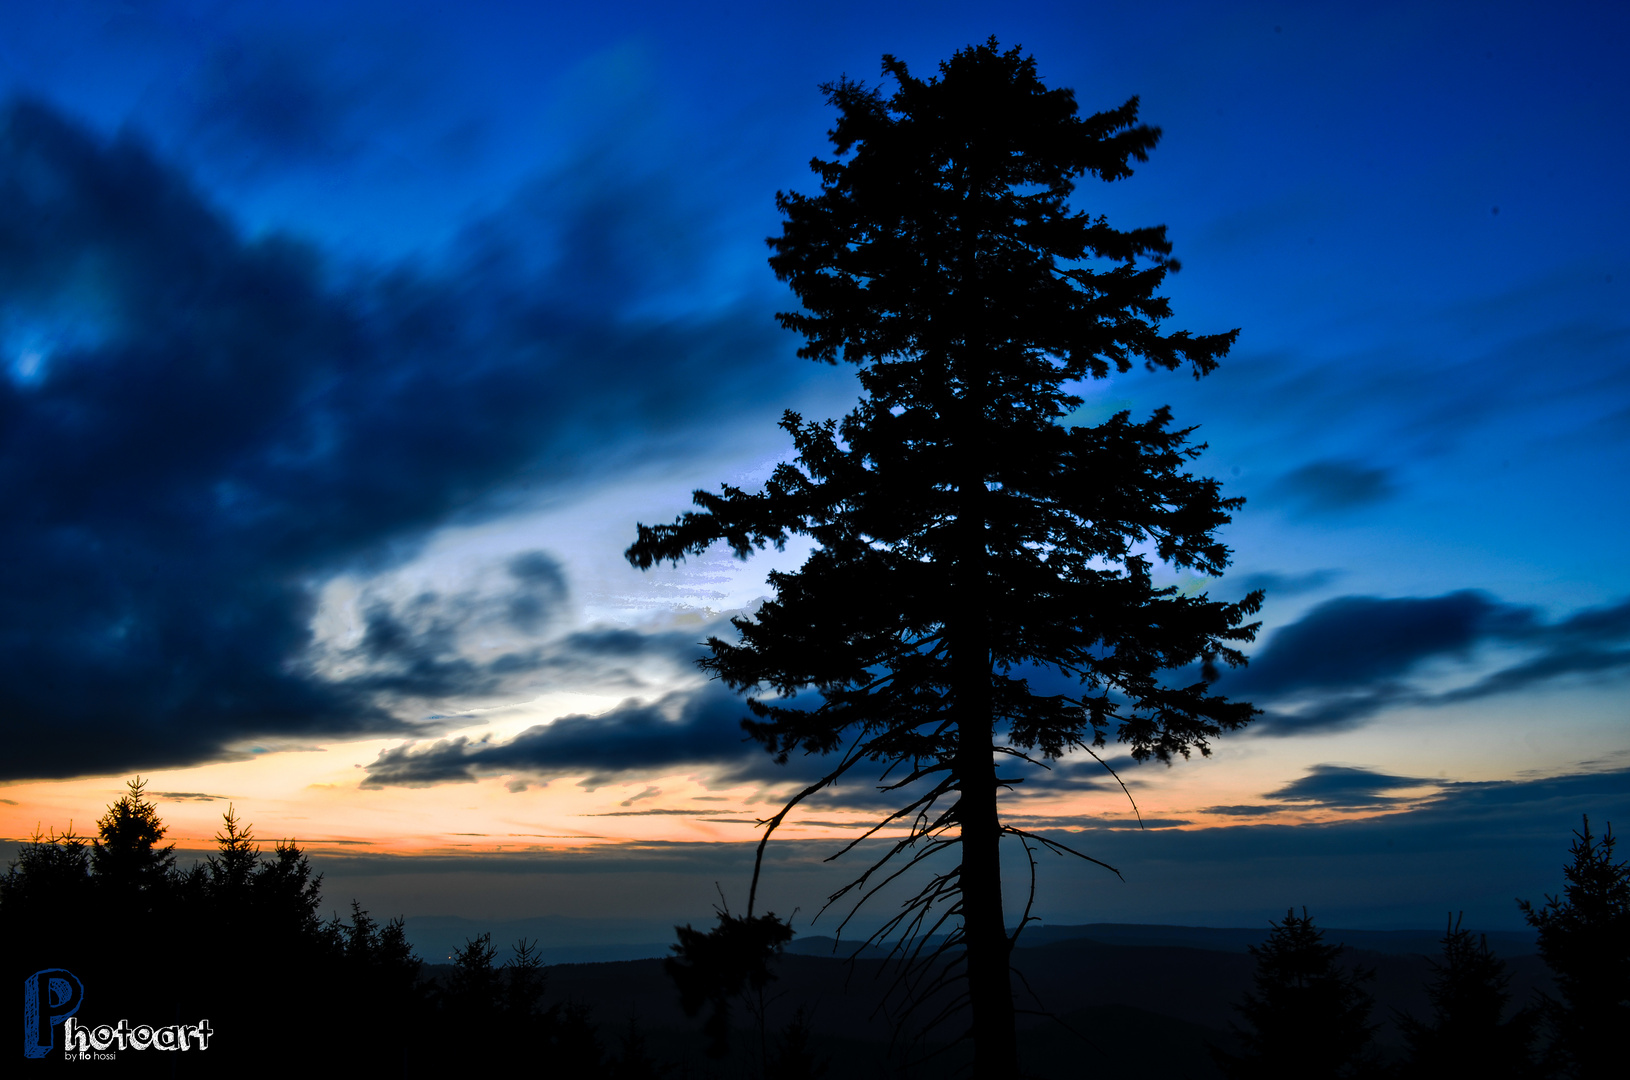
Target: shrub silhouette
731, 961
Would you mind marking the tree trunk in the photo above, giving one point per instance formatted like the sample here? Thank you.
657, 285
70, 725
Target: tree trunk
990, 989
990, 986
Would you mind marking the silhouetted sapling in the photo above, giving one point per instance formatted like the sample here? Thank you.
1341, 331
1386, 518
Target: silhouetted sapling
796, 1056
1469, 1033
1306, 1016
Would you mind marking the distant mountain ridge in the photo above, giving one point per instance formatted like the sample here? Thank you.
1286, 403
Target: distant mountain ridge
567, 940
1238, 939
1131, 1009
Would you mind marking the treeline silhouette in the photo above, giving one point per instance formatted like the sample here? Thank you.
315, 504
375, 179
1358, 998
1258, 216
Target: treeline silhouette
1308, 1016
239, 939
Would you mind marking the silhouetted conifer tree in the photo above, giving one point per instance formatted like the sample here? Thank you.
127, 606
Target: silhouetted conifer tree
1584, 938
474, 985
48, 886
381, 953
796, 1056
730, 961
288, 895
524, 981
634, 1062
574, 1048
236, 860
1307, 1016
968, 537
237, 939
1469, 1033
126, 858
52, 871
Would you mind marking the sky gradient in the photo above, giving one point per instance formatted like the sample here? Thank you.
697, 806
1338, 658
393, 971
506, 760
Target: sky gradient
342, 347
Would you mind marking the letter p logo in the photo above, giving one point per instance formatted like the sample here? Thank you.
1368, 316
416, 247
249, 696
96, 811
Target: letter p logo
49, 998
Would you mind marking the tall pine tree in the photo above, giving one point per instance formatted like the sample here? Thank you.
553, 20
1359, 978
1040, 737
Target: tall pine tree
968, 539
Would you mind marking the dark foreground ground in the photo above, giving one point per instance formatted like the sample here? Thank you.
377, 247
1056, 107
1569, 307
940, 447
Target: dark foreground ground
1135, 1005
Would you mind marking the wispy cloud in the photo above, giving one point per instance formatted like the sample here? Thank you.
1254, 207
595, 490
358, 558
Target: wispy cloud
693, 729
1355, 656
1324, 487
1346, 787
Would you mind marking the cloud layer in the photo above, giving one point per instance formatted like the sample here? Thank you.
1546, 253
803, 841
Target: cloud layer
1344, 662
197, 428
1351, 657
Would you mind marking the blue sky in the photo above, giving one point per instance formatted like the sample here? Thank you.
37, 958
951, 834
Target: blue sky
343, 346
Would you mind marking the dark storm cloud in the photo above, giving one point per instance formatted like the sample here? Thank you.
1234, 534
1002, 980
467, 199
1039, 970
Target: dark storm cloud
1359, 640
197, 428
1354, 656
1329, 486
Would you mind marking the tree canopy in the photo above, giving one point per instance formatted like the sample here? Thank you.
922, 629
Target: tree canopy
982, 581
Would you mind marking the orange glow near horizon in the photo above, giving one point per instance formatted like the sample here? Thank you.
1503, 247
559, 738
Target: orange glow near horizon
315, 797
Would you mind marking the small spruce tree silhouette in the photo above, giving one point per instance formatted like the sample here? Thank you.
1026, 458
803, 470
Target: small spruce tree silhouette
796, 1056
52, 870
237, 859
475, 986
1584, 938
1306, 1017
635, 1061
1469, 1033
524, 982
126, 857
288, 894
